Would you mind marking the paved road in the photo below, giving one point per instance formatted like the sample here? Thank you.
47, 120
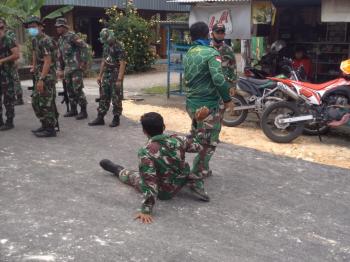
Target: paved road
56, 204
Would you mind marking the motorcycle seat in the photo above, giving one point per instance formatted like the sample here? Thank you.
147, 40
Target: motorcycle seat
254, 86
318, 86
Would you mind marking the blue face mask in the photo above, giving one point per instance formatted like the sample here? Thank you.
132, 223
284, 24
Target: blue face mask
33, 32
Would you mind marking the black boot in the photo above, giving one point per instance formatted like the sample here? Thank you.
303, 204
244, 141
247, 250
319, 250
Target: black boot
40, 129
47, 132
115, 121
19, 100
109, 166
1, 121
200, 193
99, 121
83, 114
8, 125
73, 111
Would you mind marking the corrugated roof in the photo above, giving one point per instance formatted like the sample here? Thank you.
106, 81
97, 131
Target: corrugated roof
205, 1
159, 5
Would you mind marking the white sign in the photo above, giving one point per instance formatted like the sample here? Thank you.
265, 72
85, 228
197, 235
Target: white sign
335, 11
222, 17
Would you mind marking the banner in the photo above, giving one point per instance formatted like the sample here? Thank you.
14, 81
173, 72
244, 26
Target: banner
222, 17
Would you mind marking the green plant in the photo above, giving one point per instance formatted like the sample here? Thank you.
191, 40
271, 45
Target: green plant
135, 33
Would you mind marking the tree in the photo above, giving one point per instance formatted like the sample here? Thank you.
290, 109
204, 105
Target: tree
16, 11
135, 33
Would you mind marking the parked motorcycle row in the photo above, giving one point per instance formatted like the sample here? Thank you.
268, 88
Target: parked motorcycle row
287, 105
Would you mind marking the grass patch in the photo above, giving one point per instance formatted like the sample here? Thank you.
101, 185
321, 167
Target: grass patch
159, 90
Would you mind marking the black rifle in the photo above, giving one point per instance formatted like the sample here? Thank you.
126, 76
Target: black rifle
65, 96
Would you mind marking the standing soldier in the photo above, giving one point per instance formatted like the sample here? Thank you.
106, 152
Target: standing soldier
207, 89
110, 78
9, 53
229, 65
44, 67
73, 56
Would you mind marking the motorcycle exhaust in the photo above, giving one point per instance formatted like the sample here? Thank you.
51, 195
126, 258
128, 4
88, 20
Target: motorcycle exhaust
295, 119
287, 90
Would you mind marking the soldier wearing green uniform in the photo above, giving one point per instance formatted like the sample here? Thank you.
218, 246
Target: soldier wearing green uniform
73, 58
18, 87
206, 88
163, 170
9, 53
44, 67
229, 65
110, 78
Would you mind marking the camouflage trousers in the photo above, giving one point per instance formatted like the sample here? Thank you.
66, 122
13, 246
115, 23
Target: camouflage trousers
110, 93
44, 105
75, 85
206, 133
133, 178
7, 95
18, 87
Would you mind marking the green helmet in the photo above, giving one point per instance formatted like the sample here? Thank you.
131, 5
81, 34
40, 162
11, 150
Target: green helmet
32, 19
106, 35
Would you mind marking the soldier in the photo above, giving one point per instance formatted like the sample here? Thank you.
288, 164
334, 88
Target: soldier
44, 67
110, 78
163, 170
206, 89
229, 65
18, 87
9, 53
73, 56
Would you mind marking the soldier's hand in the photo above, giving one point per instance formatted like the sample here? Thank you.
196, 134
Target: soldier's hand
230, 106
144, 218
40, 86
119, 84
202, 113
99, 80
232, 91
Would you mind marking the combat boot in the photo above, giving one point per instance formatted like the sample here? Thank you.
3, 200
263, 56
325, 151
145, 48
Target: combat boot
19, 101
8, 125
40, 129
99, 121
73, 112
200, 193
47, 132
115, 121
109, 166
83, 114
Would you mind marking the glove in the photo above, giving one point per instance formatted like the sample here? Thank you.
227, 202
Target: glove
202, 113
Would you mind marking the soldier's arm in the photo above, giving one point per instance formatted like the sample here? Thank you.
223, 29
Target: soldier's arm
218, 78
13, 57
83, 48
149, 181
60, 60
122, 63
190, 144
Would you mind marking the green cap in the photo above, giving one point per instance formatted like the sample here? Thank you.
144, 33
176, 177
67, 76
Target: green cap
32, 19
61, 22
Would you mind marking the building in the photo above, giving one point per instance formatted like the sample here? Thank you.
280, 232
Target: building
86, 14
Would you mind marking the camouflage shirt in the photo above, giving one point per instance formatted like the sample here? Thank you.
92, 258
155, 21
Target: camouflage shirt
163, 169
43, 45
204, 79
229, 65
72, 52
113, 54
6, 44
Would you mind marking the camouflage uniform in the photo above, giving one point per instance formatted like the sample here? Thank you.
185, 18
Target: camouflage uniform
73, 51
112, 55
206, 87
7, 78
163, 170
229, 64
44, 105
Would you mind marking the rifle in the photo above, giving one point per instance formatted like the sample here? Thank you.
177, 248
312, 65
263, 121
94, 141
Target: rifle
64, 94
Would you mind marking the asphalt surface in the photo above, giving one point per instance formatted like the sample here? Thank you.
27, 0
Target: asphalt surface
56, 204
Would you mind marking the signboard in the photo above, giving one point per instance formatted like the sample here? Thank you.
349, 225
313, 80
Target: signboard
236, 17
335, 11
222, 17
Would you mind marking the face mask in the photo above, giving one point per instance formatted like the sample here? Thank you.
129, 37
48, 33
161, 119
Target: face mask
33, 32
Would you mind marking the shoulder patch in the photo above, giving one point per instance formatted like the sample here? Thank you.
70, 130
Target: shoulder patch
218, 58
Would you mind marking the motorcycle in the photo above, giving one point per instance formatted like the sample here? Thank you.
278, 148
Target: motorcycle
316, 106
255, 92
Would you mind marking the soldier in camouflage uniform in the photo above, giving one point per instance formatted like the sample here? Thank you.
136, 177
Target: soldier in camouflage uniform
18, 87
73, 58
163, 170
229, 65
44, 67
110, 78
206, 88
9, 53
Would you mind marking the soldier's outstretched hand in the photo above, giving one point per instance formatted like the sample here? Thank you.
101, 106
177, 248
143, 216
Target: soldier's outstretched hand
144, 218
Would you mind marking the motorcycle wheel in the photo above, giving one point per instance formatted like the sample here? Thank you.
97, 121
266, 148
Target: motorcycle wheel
312, 130
286, 132
237, 117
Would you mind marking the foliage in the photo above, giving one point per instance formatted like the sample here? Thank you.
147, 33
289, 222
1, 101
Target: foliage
135, 33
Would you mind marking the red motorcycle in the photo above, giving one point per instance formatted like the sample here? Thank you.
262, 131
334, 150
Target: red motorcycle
310, 107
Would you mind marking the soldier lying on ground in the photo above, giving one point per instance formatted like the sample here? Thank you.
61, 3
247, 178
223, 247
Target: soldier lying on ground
163, 170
